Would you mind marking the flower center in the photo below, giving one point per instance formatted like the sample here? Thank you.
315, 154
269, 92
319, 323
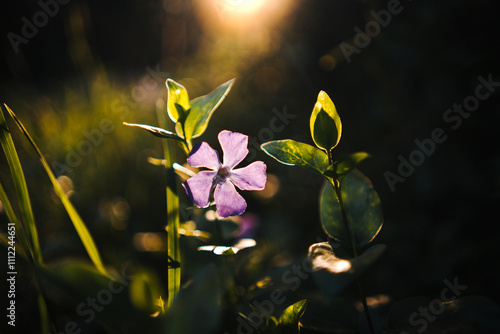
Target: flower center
223, 173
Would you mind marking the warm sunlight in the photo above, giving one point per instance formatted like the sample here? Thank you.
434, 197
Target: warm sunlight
241, 6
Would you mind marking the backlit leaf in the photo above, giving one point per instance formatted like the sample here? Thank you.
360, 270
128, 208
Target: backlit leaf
325, 124
290, 317
292, 153
202, 109
177, 101
362, 206
155, 131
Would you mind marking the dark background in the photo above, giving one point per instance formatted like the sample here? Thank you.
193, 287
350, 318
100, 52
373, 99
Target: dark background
440, 223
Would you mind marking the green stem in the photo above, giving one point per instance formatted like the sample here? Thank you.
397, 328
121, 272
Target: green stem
350, 237
173, 247
352, 247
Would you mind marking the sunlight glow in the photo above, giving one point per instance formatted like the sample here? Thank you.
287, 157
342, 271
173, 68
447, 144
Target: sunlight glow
241, 6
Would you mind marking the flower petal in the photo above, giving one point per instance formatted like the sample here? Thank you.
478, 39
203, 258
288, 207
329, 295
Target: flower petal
202, 155
199, 187
251, 177
234, 146
228, 201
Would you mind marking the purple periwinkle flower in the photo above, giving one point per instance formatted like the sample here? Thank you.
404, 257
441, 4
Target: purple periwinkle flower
223, 176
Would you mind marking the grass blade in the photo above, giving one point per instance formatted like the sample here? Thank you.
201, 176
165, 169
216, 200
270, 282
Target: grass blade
78, 223
11, 215
21, 189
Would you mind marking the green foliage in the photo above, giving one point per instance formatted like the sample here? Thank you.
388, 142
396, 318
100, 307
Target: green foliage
190, 117
325, 124
357, 214
177, 101
288, 322
190, 121
21, 190
202, 109
289, 319
362, 207
292, 153
155, 131
339, 169
77, 221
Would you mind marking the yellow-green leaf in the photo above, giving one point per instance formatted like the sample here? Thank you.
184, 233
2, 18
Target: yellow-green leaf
202, 109
290, 152
325, 125
177, 101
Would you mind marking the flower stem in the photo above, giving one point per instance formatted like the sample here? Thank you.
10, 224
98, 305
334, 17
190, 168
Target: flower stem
352, 248
173, 247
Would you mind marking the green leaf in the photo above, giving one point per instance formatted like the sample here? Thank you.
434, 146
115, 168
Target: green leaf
177, 101
291, 316
339, 169
325, 124
362, 206
77, 221
21, 188
158, 132
292, 153
202, 109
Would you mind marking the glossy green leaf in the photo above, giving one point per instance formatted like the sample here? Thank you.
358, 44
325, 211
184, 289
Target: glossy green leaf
292, 153
339, 169
325, 125
21, 188
289, 319
177, 101
158, 132
362, 206
77, 221
202, 109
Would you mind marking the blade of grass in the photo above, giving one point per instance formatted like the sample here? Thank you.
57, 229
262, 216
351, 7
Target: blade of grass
173, 247
34, 254
21, 188
20, 234
77, 221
